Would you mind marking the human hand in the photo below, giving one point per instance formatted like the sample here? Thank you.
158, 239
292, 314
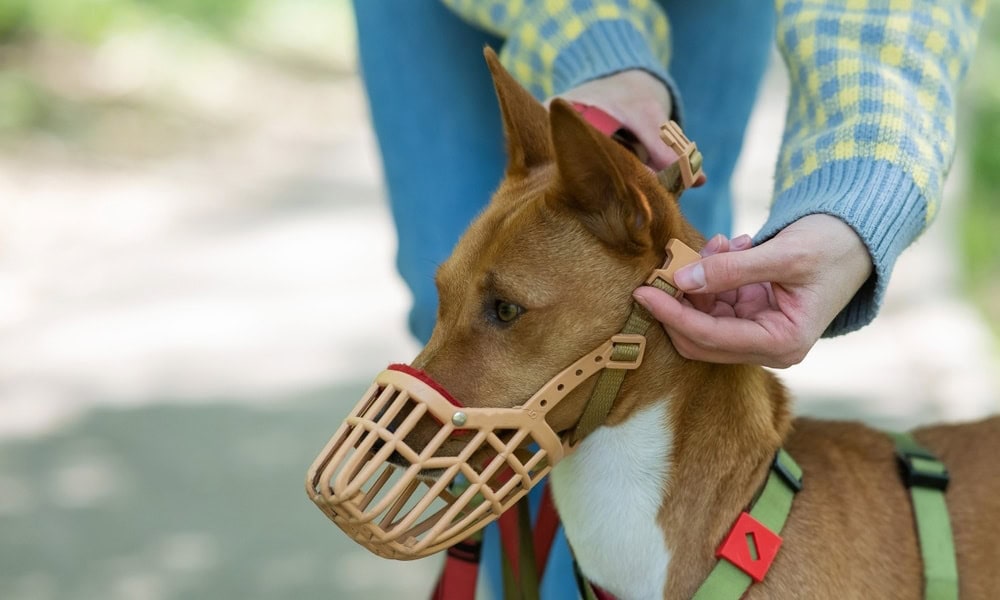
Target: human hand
764, 305
639, 101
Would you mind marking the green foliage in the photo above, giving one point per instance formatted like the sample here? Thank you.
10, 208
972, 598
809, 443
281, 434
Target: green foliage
20, 100
54, 56
982, 220
980, 223
90, 20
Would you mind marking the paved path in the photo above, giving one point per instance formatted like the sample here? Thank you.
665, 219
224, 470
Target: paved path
180, 332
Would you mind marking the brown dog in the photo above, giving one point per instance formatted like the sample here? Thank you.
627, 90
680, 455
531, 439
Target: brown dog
546, 273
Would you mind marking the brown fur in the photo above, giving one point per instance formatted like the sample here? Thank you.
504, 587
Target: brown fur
576, 225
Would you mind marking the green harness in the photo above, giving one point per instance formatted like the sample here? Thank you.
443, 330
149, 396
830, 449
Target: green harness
927, 478
747, 552
753, 542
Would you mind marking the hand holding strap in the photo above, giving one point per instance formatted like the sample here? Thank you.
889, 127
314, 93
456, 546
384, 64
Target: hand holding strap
610, 380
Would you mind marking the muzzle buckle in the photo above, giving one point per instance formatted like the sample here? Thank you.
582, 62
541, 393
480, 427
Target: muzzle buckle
625, 339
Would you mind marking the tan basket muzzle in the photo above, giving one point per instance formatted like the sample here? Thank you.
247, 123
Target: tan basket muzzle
410, 472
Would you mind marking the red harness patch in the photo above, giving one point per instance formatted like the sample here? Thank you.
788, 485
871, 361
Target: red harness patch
750, 546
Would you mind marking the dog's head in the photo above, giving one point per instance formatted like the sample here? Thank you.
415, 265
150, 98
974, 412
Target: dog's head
546, 272
540, 279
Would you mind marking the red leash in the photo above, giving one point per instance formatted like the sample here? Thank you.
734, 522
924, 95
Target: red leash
461, 571
461, 566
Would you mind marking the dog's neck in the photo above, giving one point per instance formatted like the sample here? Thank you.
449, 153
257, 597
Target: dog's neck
682, 453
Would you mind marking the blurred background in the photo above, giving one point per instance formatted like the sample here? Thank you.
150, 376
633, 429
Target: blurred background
196, 282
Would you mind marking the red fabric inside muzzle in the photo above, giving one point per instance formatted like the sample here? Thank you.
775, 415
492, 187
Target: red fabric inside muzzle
423, 376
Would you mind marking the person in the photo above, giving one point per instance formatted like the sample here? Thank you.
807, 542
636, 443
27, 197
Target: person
869, 138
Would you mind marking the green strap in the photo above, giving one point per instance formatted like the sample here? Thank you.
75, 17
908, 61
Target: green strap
588, 591
523, 585
930, 511
670, 178
526, 552
511, 590
775, 501
771, 508
609, 381
583, 585
725, 581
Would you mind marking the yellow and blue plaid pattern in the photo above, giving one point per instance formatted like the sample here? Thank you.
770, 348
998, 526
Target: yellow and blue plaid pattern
874, 80
538, 31
871, 79
870, 131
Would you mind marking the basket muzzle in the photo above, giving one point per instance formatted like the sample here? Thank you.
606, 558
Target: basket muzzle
412, 472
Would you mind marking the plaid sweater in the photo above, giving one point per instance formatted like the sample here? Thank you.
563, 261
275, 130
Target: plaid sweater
870, 131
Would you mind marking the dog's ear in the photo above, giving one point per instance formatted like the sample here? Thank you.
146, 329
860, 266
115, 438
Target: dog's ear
525, 120
598, 182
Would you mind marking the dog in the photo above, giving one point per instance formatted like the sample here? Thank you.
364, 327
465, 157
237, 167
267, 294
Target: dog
543, 276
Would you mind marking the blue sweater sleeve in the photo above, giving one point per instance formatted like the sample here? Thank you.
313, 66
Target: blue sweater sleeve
870, 132
556, 45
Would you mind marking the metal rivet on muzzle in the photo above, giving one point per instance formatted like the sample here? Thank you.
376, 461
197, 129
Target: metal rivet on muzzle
459, 418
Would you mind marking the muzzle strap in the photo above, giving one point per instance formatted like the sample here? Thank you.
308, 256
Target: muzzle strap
610, 380
386, 476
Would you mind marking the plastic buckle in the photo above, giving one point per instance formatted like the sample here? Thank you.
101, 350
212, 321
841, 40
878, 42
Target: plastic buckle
916, 474
673, 136
627, 338
750, 546
787, 476
678, 255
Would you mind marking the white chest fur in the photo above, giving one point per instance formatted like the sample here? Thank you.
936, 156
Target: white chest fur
609, 492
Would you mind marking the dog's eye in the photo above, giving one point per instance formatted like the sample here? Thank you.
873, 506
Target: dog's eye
507, 311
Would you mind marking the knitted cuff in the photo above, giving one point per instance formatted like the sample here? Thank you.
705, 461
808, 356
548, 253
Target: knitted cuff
606, 48
879, 201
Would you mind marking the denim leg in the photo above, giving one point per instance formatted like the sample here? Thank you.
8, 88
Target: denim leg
720, 52
438, 127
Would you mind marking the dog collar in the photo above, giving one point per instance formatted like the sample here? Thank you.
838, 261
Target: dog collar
603, 122
681, 175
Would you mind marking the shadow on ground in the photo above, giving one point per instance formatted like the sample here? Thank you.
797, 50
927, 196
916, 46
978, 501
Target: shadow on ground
183, 501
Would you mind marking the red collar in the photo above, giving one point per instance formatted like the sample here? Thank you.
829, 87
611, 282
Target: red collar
613, 128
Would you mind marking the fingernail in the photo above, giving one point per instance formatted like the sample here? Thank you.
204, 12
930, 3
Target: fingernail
714, 244
690, 278
640, 297
741, 243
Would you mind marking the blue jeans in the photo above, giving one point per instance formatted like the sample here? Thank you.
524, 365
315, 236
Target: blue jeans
438, 126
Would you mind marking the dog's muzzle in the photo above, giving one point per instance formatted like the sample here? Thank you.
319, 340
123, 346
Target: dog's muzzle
412, 472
